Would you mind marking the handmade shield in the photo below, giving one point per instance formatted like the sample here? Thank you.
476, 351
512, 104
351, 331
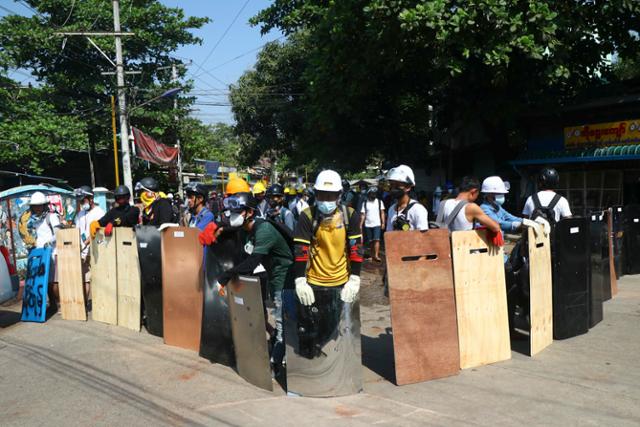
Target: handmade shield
423, 308
322, 345
6, 287
128, 279
36, 285
481, 299
249, 331
182, 287
612, 266
104, 280
216, 342
632, 239
150, 259
618, 240
597, 280
571, 258
540, 292
69, 270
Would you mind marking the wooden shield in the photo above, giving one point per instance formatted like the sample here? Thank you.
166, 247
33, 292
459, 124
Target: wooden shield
481, 299
540, 292
70, 280
249, 331
423, 309
182, 287
128, 279
104, 282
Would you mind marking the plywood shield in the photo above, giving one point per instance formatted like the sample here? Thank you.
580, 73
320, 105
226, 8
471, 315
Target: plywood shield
249, 331
182, 287
129, 297
104, 280
612, 265
149, 256
481, 299
69, 269
540, 292
423, 309
322, 345
36, 285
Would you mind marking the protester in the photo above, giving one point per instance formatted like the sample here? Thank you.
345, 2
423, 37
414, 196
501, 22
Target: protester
494, 192
277, 211
347, 195
259, 191
200, 215
437, 198
121, 215
87, 214
462, 212
157, 207
328, 244
372, 218
546, 203
214, 204
405, 213
303, 201
268, 247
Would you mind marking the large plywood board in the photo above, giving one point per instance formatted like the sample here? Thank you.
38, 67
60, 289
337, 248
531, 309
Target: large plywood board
104, 285
612, 266
70, 280
540, 292
182, 278
128, 279
423, 308
481, 299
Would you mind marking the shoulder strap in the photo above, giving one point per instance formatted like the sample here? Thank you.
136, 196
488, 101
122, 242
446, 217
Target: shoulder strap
554, 201
536, 201
440, 216
345, 216
454, 213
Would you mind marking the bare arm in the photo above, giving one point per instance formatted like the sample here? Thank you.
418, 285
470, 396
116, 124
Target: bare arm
476, 213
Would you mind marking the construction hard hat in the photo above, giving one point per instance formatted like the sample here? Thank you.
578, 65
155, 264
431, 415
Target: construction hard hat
38, 198
300, 188
259, 188
122, 191
276, 190
237, 185
402, 173
328, 180
494, 185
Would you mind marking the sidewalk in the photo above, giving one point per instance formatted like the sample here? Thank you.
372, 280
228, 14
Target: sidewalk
87, 373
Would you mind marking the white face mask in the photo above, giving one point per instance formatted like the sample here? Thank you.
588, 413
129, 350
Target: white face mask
236, 219
86, 207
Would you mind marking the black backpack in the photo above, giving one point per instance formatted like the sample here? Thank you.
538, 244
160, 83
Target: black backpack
545, 212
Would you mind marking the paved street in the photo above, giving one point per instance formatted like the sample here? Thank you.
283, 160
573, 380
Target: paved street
79, 374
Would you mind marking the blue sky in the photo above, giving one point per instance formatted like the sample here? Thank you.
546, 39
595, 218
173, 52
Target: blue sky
219, 61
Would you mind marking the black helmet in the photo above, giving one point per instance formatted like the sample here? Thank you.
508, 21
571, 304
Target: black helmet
197, 189
549, 179
148, 184
239, 202
121, 191
84, 191
275, 190
345, 184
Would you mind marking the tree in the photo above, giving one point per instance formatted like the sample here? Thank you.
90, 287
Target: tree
370, 69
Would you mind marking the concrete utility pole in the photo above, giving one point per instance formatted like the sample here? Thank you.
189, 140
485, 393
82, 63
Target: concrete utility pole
122, 102
174, 79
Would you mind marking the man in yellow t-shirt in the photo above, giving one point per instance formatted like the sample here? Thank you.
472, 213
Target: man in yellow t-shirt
328, 243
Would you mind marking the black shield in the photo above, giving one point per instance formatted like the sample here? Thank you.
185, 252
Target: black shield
618, 239
632, 239
150, 256
598, 235
570, 258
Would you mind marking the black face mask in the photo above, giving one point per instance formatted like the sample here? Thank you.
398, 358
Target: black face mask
274, 203
397, 193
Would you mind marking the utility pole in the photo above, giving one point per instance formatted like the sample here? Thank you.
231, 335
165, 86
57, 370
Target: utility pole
122, 102
174, 79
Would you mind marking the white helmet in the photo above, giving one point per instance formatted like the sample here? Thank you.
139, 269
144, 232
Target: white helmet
38, 198
495, 185
328, 180
402, 173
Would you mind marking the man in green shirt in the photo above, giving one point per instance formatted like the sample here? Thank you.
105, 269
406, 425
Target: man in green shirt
265, 245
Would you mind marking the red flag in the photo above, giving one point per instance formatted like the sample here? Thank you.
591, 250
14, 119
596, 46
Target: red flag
153, 151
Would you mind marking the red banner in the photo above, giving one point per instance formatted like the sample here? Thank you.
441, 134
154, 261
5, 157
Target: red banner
153, 151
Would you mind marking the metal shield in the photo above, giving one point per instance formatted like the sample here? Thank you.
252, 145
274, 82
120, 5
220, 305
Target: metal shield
632, 239
322, 345
150, 257
570, 240
598, 233
249, 331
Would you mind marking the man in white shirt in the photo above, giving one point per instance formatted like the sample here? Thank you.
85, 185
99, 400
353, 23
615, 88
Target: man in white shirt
42, 223
406, 213
88, 213
371, 220
547, 199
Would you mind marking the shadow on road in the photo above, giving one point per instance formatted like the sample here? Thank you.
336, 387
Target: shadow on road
377, 355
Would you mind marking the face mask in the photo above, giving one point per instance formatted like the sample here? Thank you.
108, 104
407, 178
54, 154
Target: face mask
500, 199
236, 219
274, 203
326, 207
397, 193
371, 196
86, 207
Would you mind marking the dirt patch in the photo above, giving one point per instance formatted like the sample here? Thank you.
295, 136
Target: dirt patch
372, 289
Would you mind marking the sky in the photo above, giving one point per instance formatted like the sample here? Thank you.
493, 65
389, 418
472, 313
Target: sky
229, 47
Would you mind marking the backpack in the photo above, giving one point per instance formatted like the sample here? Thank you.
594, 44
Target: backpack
441, 221
545, 212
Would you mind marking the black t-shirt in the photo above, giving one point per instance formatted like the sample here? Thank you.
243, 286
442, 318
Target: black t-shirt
161, 213
121, 216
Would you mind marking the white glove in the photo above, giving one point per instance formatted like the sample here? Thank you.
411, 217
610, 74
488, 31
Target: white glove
304, 291
532, 224
350, 289
545, 225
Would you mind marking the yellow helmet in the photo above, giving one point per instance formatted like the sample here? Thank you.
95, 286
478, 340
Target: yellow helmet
259, 188
237, 185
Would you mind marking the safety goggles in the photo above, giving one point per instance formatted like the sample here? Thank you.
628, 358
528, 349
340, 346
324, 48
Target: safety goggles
233, 204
